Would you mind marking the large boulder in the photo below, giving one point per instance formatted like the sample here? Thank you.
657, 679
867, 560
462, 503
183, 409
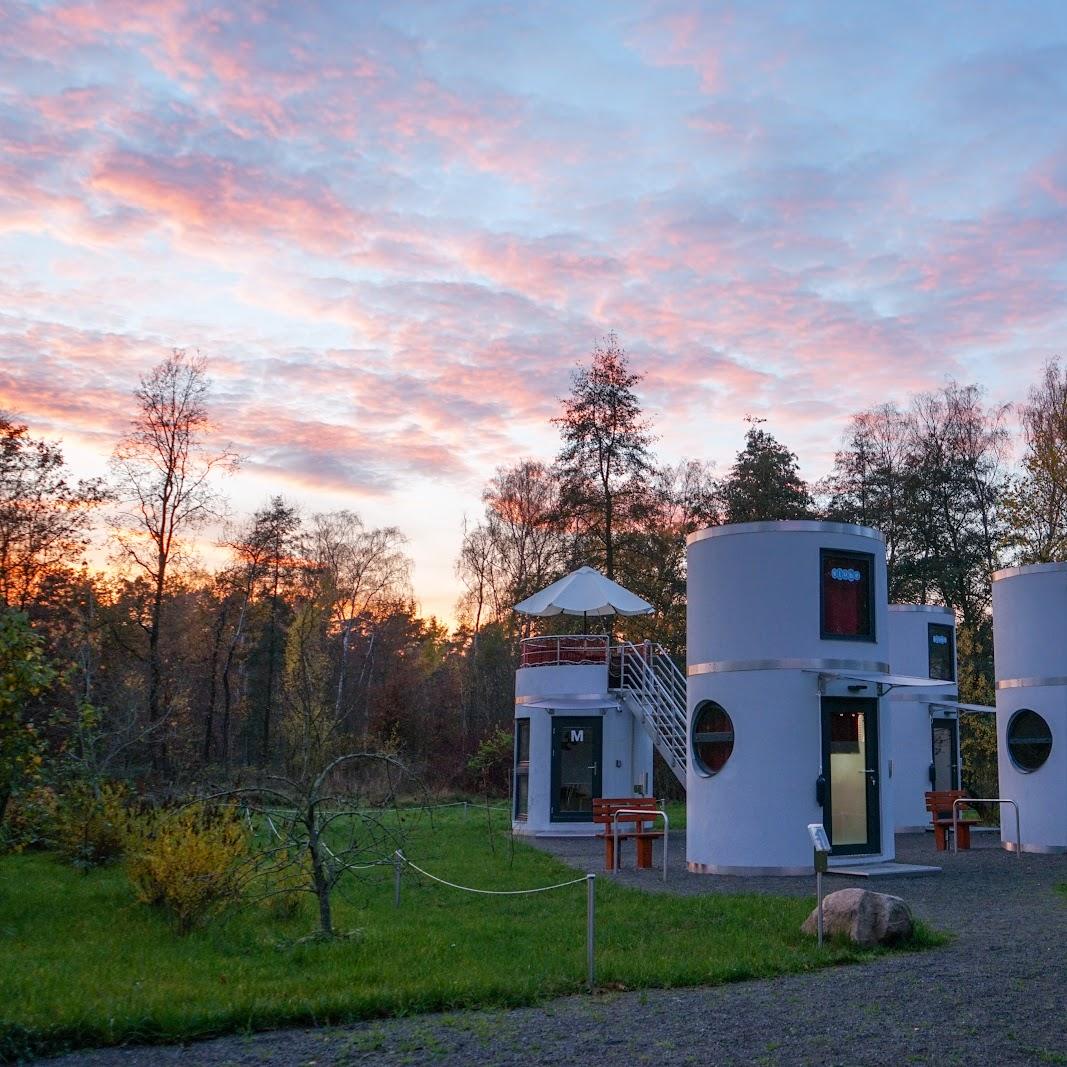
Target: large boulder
865, 918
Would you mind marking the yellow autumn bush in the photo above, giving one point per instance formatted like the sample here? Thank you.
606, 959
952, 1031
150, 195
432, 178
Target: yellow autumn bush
190, 862
90, 823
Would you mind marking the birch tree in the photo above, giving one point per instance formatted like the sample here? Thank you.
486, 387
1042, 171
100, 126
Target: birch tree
161, 472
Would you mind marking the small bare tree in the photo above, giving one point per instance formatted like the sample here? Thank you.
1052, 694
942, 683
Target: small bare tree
322, 829
328, 816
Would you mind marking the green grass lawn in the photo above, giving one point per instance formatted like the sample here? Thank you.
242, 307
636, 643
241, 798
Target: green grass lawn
84, 964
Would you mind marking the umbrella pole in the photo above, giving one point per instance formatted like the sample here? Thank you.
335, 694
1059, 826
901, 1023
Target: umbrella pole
585, 622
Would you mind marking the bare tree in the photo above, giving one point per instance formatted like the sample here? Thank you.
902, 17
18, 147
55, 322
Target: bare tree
1037, 502
358, 570
161, 471
329, 825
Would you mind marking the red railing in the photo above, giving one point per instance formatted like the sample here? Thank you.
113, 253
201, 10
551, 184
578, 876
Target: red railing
570, 650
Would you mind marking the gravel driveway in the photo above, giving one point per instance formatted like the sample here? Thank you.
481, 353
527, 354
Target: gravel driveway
996, 995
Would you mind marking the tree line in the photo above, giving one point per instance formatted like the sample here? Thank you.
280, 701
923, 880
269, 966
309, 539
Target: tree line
158, 670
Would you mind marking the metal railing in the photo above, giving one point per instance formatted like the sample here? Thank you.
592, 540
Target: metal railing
564, 650
651, 681
984, 800
652, 813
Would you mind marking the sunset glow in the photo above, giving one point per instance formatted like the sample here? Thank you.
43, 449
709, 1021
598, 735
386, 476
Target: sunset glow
394, 229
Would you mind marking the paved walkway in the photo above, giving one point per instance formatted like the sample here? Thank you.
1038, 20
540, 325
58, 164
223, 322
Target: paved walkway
997, 995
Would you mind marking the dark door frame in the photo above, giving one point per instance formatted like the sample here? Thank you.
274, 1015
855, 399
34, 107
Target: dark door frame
869, 708
954, 763
569, 722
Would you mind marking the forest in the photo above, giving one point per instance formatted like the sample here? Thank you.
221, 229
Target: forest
168, 679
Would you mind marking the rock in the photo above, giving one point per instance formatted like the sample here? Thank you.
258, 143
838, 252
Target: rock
865, 918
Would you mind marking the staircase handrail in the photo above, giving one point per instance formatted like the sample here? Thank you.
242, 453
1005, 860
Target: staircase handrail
657, 692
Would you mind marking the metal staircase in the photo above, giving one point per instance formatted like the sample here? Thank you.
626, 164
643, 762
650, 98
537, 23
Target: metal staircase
653, 688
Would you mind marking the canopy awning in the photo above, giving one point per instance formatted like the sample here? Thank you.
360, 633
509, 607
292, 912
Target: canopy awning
584, 592
957, 706
890, 681
580, 703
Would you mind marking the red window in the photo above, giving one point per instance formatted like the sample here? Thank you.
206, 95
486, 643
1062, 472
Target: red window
846, 595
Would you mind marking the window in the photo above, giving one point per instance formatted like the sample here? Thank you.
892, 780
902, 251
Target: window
846, 589
846, 729
1029, 740
942, 652
713, 737
522, 768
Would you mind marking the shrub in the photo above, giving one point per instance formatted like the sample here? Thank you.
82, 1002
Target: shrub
91, 823
189, 861
30, 821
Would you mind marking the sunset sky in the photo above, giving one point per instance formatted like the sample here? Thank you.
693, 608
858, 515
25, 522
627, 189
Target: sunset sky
393, 228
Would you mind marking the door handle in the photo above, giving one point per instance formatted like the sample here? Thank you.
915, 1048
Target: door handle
593, 767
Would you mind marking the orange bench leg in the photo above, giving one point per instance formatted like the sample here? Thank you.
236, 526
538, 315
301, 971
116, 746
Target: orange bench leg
965, 835
940, 838
644, 853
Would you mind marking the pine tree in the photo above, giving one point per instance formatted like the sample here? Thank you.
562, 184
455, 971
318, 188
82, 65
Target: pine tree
765, 482
605, 459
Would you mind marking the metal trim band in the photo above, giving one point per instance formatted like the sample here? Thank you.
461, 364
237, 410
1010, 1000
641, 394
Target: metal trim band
749, 872
1040, 850
1029, 568
934, 609
724, 666
785, 526
1031, 683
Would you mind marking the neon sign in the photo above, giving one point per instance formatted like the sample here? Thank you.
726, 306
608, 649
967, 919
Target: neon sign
846, 574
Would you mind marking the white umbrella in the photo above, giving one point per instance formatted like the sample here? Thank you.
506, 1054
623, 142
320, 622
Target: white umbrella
584, 592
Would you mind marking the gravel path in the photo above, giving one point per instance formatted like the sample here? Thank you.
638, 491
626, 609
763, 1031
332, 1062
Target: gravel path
995, 996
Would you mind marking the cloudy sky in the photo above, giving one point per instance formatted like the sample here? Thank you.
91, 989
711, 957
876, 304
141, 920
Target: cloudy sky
394, 228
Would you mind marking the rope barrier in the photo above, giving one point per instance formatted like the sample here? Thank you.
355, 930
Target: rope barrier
401, 861
492, 892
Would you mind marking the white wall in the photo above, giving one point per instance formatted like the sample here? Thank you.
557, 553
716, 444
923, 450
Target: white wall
754, 615
626, 751
909, 709
1030, 646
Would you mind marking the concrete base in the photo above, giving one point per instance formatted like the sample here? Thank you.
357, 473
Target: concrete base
885, 870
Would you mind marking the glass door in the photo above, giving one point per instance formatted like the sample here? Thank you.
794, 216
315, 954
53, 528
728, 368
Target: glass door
576, 768
852, 809
946, 767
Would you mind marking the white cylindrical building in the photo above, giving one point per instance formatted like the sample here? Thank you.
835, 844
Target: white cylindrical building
788, 638
1030, 646
924, 723
574, 739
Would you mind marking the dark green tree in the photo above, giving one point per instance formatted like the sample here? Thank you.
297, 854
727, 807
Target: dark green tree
764, 482
24, 674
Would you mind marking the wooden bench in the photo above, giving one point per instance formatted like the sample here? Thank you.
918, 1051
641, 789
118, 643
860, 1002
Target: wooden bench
939, 804
635, 825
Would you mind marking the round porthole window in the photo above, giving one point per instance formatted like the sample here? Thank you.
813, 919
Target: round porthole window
713, 737
1029, 740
